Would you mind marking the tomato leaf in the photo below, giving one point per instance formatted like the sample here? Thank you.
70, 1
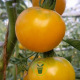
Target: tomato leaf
73, 42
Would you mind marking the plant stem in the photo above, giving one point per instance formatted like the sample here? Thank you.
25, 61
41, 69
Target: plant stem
10, 39
15, 68
48, 54
15, 72
1, 68
11, 10
1, 75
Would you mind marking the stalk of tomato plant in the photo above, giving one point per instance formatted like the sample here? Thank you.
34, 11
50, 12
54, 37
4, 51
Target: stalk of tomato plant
11, 10
48, 4
15, 66
1, 69
10, 39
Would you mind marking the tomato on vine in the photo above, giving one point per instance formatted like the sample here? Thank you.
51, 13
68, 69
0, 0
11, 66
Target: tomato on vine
51, 68
21, 47
39, 29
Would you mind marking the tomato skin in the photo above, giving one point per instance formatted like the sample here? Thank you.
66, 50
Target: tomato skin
59, 7
21, 47
25, 78
39, 29
25, 75
32, 57
58, 68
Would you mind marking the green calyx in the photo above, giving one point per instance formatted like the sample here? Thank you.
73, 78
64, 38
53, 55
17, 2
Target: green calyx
48, 4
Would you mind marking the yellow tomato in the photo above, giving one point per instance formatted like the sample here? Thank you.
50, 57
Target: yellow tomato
59, 7
25, 75
25, 78
39, 56
32, 57
20, 46
39, 29
56, 68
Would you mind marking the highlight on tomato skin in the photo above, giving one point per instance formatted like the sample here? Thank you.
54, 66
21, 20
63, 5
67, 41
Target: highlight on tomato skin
51, 68
59, 7
39, 29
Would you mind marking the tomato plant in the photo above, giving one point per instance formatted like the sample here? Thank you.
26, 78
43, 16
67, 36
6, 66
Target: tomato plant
39, 29
59, 7
51, 68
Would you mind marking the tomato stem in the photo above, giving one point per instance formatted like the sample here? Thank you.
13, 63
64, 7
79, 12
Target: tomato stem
11, 36
49, 54
48, 4
35, 57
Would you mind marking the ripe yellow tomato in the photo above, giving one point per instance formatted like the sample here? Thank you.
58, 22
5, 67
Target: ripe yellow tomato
32, 57
25, 78
39, 56
51, 68
25, 75
21, 47
59, 7
39, 29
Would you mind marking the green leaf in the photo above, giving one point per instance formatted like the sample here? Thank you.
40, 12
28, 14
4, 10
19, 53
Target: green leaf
73, 42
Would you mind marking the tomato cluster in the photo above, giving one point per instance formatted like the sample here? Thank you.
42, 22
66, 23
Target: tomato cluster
41, 30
